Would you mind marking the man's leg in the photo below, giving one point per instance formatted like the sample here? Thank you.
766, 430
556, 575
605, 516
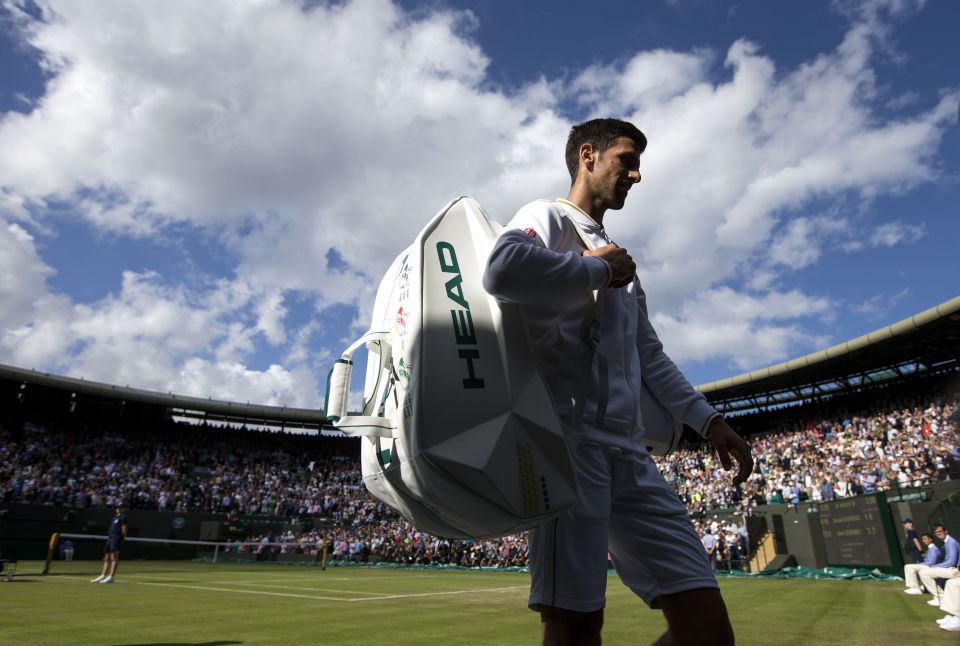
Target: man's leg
103, 571
950, 602
695, 617
928, 577
911, 577
562, 627
568, 558
658, 555
110, 566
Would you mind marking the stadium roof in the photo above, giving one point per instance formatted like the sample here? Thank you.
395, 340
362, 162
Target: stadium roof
176, 405
925, 344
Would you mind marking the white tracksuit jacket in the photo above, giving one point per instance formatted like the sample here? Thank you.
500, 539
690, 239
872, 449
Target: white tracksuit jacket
537, 263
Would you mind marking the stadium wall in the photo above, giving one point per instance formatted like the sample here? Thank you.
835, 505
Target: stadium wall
797, 529
26, 529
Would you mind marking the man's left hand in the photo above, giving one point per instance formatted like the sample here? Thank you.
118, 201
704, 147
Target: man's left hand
726, 441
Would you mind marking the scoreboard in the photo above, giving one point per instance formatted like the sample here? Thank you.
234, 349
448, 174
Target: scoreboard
859, 532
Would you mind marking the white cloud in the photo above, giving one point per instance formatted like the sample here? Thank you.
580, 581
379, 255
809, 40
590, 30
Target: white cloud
23, 276
344, 127
235, 382
893, 233
878, 305
728, 163
160, 337
750, 331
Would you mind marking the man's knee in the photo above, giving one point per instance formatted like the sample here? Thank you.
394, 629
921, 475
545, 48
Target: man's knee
562, 627
697, 617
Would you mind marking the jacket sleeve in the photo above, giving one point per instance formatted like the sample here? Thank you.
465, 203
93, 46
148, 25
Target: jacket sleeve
951, 551
665, 380
524, 266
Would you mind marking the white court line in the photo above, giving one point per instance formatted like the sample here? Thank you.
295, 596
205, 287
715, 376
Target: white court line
290, 587
267, 594
320, 598
437, 594
435, 575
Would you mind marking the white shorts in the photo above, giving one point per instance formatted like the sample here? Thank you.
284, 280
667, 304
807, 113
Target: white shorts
626, 508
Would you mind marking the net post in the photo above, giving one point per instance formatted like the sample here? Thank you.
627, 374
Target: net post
54, 537
323, 560
216, 551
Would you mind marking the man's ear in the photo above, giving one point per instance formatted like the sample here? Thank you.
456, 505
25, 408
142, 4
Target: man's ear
588, 156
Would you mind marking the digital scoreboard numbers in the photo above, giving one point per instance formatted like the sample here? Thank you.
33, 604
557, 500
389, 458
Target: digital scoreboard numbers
854, 532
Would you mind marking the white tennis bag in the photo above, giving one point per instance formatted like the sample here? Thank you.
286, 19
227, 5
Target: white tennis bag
459, 432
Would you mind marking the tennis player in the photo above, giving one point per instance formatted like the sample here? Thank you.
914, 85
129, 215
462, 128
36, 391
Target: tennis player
594, 373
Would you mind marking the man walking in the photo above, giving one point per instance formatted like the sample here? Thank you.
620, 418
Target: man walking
550, 260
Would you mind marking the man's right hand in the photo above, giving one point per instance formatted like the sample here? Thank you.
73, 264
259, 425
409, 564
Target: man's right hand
622, 265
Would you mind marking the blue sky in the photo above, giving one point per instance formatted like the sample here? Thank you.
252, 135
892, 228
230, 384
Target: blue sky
202, 199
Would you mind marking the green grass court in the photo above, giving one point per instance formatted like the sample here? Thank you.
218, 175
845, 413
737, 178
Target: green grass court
199, 603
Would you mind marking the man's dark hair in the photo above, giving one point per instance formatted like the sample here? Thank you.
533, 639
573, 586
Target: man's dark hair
937, 526
930, 536
599, 133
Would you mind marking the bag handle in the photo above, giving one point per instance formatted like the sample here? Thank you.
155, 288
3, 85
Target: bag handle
338, 389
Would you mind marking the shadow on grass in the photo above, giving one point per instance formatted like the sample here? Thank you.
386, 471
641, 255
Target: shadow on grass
217, 643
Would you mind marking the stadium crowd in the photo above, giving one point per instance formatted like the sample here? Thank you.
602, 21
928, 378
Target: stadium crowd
392, 541
180, 467
901, 445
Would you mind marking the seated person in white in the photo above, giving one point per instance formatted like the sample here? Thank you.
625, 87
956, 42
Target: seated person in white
911, 571
945, 569
950, 602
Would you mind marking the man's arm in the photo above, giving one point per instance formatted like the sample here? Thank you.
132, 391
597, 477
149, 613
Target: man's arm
521, 271
951, 550
949, 556
727, 443
917, 543
933, 553
683, 402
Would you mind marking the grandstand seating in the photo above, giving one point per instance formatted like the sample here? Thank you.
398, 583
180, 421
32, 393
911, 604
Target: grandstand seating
66, 461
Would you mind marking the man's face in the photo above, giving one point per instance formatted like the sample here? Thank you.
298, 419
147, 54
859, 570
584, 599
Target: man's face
926, 540
940, 533
616, 170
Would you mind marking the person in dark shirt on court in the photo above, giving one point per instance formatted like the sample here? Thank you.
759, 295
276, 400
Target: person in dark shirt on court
914, 546
111, 551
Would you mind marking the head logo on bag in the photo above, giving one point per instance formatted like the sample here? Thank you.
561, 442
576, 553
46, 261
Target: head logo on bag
463, 328
458, 430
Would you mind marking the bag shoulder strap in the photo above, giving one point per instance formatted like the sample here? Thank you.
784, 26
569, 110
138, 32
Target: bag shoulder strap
590, 334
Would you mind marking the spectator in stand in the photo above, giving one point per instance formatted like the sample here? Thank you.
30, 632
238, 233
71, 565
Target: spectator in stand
182, 467
709, 540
